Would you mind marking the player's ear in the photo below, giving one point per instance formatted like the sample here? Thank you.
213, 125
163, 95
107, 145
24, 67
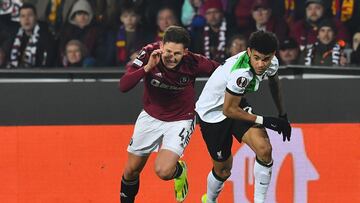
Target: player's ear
248, 50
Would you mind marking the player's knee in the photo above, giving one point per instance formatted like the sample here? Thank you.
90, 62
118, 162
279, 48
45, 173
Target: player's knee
164, 173
223, 172
264, 152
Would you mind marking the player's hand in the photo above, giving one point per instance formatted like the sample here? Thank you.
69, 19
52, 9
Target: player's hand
153, 60
280, 125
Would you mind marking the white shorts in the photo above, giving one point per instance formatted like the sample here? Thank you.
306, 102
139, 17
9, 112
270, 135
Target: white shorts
150, 134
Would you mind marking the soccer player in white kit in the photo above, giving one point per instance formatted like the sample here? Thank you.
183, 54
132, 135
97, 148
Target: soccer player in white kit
224, 112
168, 118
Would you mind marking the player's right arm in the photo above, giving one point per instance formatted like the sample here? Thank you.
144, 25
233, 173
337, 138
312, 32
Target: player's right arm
231, 108
135, 70
235, 89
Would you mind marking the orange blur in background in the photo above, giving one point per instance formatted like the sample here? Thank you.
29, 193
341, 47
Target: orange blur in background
84, 164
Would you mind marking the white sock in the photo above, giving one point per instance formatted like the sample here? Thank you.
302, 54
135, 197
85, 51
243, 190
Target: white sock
262, 176
214, 187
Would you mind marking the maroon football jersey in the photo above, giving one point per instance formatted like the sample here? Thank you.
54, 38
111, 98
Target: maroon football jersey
169, 94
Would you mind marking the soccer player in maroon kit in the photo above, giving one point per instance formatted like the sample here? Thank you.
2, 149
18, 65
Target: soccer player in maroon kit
168, 118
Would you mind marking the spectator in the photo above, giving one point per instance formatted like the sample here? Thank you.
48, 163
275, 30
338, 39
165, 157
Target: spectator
211, 39
264, 20
151, 8
131, 33
237, 44
289, 52
326, 51
76, 55
32, 46
165, 18
81, 26
305, 31
52, 12
191, 15
355, 55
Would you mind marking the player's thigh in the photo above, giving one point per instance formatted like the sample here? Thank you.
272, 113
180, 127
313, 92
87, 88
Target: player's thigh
177, 135
218, 139
147, 136
258, 140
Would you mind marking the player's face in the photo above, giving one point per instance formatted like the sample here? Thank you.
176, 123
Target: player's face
260, 62
172, 53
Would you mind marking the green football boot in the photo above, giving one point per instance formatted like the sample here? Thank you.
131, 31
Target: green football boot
181, 184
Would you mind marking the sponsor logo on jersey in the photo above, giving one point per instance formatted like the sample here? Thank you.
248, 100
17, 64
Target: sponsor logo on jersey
242, 82
137, 62
157, 83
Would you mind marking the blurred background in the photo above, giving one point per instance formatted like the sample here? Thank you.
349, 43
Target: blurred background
64, 126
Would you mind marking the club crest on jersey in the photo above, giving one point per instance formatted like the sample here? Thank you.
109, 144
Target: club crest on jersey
184, 80
242, 82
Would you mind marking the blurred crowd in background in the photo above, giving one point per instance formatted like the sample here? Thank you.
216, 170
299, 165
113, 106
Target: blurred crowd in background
108, 33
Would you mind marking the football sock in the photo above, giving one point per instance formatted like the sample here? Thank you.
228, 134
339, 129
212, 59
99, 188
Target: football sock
262, 174
129, 189
178, 170
214, 186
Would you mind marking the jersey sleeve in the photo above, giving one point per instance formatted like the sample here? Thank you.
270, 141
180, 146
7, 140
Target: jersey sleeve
238, 81
273, 68
134, 69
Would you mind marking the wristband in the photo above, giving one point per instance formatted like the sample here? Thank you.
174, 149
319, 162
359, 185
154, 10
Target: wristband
259, 120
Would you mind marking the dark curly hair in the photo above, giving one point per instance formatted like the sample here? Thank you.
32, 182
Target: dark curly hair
263, 42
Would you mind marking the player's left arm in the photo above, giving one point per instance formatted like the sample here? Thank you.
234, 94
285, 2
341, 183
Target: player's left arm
276, 93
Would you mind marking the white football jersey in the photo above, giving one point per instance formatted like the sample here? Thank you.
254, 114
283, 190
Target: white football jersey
235, 76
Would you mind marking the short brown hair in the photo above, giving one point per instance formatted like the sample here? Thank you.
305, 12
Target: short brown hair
178, 35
